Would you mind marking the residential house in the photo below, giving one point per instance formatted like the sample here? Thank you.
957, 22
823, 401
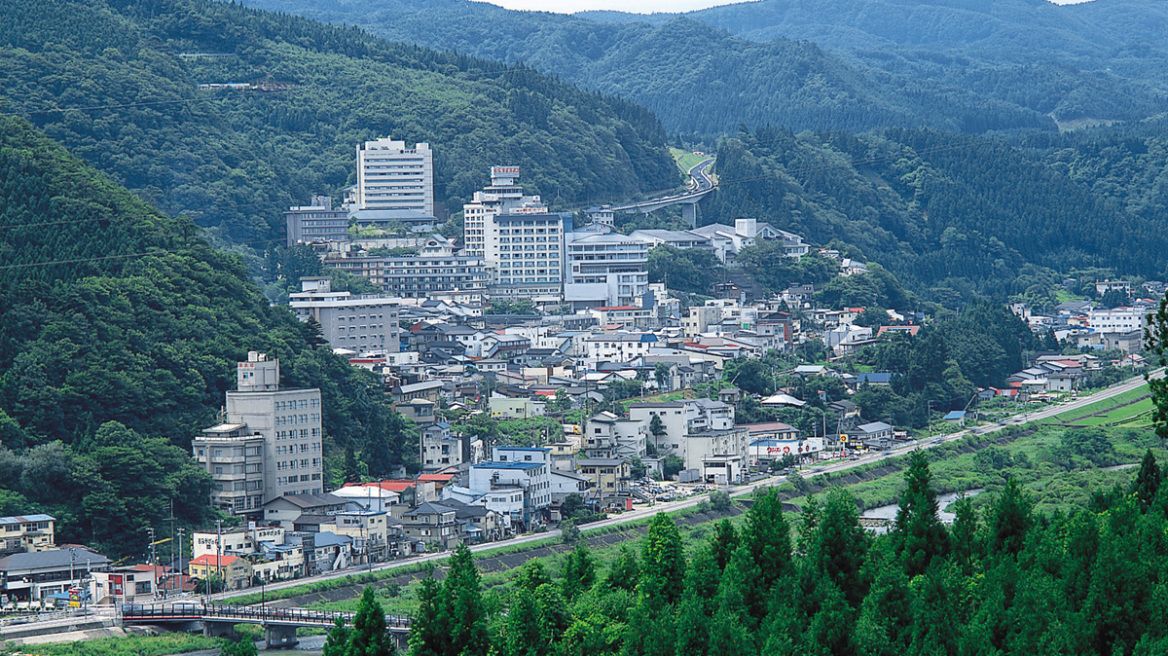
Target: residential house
432, 523
27, 533
608, 477
287, 509
234, 571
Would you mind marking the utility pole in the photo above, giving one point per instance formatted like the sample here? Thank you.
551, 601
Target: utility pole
153, 548
178, 571
219, 552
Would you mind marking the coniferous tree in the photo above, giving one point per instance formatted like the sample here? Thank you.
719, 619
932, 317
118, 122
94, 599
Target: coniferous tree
579, 572
662, 562
920, 537
369, 636
724, 543
468, 626
1147, 482
337, 642
1010, 519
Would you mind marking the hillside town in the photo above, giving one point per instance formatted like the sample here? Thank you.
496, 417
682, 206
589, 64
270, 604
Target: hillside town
546, 378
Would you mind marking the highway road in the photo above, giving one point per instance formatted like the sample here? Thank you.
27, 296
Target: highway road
700, 175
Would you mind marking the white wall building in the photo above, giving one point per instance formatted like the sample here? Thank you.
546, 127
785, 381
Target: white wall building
289, 421
393, 177
359, 323
606, 270
517, 467
1117, 320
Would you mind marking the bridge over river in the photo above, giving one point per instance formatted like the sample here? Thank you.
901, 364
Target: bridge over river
279, 624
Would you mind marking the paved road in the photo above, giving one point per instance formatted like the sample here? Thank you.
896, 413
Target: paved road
700, 174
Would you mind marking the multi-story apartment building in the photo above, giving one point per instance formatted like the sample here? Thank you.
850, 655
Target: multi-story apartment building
270, 434
316, 222
416, 276
606, 270
525, 468
358, 323
391, 176
609, 436
234, 456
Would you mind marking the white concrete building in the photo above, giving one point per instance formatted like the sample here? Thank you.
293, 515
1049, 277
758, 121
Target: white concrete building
619, 347
503, 196
289, 460
609, 436
363, 324
392, 176
526, 468
606, 270
1117, 320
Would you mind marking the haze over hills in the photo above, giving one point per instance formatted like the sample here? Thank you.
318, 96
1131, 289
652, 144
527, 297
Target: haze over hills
856, 76
119, 84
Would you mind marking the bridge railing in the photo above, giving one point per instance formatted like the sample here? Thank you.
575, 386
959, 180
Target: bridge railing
249, 614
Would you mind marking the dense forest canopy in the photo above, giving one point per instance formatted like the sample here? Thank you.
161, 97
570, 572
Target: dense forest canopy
106, 79
840, 65
954, 215
119, 333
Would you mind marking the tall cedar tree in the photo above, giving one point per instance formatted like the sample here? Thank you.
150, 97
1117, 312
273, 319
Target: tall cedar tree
1147, 482
919, 535
662, 561
369, 636
469, 618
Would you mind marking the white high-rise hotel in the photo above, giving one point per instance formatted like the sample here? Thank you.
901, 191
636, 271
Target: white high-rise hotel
391, 176
521, 243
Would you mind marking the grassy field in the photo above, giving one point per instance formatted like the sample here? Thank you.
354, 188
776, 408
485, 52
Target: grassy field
1099, 406
685, 159
169, 643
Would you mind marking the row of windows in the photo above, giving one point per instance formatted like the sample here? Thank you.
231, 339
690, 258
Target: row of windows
296, 464
297, 404
288, 449
298, 419
303, 478
293, 434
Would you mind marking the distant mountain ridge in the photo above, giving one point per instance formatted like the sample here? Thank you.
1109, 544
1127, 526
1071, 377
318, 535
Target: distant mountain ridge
873, 64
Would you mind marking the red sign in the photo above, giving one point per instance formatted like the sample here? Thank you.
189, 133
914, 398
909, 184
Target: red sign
504, 170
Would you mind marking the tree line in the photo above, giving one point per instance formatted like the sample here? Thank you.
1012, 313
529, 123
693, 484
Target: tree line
999, 580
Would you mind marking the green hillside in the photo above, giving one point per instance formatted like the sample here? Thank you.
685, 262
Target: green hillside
698, 79
119, 332
106, 80
952, 215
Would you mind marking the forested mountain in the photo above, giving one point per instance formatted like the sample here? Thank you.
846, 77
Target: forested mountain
697, 79
795, 65
951, 214
119, 332
1094, 60
118, 83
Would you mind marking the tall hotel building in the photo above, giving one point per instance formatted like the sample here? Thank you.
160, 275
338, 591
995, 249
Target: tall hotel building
391, 176
521, 243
